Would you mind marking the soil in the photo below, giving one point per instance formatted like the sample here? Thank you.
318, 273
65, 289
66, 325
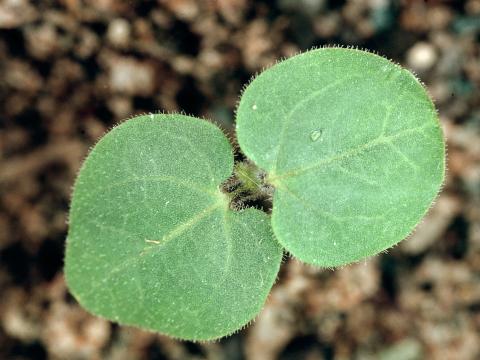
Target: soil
71, 69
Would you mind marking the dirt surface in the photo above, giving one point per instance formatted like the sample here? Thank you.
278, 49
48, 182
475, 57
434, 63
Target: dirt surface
70, 69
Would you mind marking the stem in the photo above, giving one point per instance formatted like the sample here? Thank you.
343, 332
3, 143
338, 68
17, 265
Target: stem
248, 185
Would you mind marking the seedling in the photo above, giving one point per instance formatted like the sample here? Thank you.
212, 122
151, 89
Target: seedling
346, 145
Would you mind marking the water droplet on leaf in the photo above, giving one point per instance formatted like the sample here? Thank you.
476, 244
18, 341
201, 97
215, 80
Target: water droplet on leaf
316, 134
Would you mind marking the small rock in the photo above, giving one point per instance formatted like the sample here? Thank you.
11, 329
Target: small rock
184, 9
42, 41
434, 225
20, 75
118, 33
132, 77
88, 44
15, 13
121, 106
422, 56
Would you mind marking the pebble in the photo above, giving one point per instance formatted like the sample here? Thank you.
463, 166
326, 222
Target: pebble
422, 56
133, 77
118, 33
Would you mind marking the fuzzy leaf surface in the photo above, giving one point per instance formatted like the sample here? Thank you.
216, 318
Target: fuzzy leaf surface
353, 146
152, 242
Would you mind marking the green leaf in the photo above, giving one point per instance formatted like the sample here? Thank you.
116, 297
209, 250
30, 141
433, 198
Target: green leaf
152, 241
353, 146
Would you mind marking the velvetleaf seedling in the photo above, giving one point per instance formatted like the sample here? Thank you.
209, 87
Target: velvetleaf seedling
348, 143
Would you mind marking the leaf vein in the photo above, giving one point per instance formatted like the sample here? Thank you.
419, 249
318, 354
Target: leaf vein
173, 233
381, 140
328, 214
288, 117
184, 226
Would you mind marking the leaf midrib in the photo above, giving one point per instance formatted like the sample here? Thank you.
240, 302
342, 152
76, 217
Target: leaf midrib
175, 232
288, 118
381, 140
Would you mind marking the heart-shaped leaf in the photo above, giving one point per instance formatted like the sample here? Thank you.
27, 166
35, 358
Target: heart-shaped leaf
353, 145
152, 241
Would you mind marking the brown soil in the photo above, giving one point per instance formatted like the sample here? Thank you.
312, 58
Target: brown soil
71, 69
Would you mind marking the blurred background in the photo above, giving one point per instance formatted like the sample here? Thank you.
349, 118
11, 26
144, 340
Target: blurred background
70, 69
